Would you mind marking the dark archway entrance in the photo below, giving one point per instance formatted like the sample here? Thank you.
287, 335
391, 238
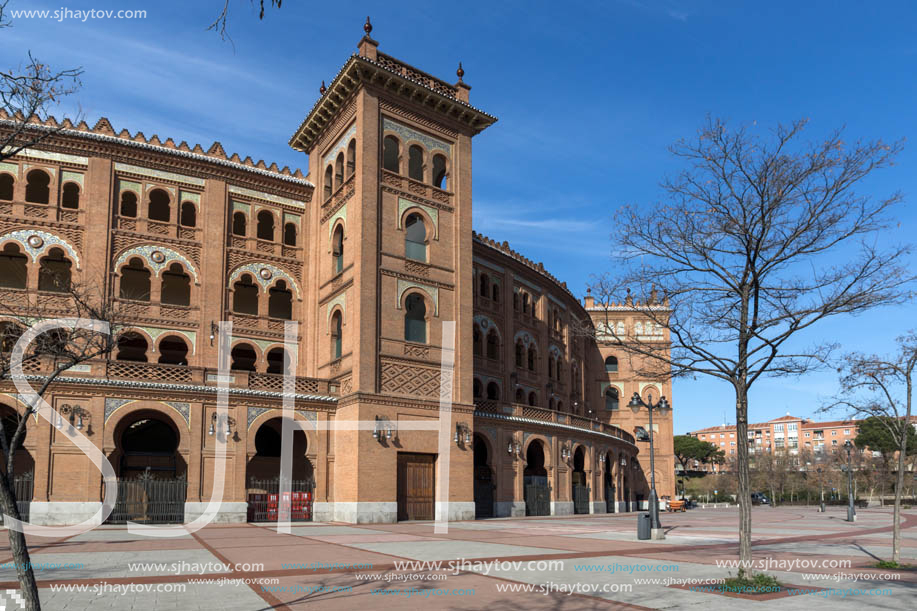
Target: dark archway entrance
263, 476
484, 484
23, 477
152, 483
535, 482
580, 486
609, 483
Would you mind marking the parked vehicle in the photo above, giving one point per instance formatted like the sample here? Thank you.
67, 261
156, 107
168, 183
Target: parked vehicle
758, 498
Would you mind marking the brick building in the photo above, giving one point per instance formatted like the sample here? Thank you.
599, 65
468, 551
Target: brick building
371, 253
786, 433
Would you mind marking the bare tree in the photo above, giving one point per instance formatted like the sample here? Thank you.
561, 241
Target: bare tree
754, 243
49, 356
27, 94
880, 388
222, 20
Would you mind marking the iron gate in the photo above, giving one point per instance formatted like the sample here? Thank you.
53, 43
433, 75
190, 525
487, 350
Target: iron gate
580, 498
610, 499
483, 492
150, 500
264, 500
537, 499
23, 487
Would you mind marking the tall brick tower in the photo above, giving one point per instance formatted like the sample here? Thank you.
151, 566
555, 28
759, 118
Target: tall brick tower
390, 154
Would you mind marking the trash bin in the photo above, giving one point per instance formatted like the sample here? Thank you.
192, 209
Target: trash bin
644, 525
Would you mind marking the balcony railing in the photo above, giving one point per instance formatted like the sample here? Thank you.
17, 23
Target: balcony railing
549, 416
181, 374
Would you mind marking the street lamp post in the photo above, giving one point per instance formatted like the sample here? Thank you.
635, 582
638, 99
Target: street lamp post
821, 483
851, 511
662, 406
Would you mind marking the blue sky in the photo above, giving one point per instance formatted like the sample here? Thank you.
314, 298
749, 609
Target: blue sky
589, 96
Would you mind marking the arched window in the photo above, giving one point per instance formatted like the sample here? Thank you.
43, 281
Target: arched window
478, 341
277, 361
176, 286
415, 319
6, 187
533, 399
131, 347
243, 358
550, 368
525, 303
129, 204
520, 396
477, 389
551, 403
54, 272
351, 158
611, 364
135, 281
188, 216
415, 238
329, 181
520, 353
484, 282
280, 301
611, 398
516, 302
70, 196
337, 339
493, 345
238, 223
265, 225
493, 391
173, 351
495, 292
289, 234
160, 209
532, 355
390, 154
245, 296
560, 406
36, 187
337, 250
439, 171
13, 267
339, 171
415, 162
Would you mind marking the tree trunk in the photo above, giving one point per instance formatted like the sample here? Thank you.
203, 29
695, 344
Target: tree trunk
19, 548
744, 491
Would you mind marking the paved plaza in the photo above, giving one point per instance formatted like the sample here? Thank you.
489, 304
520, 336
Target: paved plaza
581, 562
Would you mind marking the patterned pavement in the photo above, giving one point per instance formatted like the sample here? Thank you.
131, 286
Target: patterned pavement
596, 562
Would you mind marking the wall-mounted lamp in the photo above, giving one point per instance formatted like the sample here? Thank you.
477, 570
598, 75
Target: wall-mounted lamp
602, 459
623, 461
514, 448
383, 429
214, 329
565, 452
462, 435
75, 415
224, 425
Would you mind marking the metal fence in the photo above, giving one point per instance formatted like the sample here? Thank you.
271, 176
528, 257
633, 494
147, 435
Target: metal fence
264, 500
24, 486
150, 500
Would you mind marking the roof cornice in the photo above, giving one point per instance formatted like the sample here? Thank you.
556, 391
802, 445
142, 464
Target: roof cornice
395, 77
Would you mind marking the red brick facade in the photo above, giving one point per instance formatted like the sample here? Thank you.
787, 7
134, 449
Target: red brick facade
371, 254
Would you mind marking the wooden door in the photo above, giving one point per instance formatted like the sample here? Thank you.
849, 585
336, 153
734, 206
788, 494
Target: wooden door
415, 486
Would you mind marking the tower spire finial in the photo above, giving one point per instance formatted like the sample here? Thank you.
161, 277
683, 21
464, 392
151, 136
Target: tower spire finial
460, 72
322, 89
367, 27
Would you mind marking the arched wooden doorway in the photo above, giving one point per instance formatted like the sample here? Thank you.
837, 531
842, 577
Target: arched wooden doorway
484, 484
535, 481
579, 484
23, 476
262, 475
